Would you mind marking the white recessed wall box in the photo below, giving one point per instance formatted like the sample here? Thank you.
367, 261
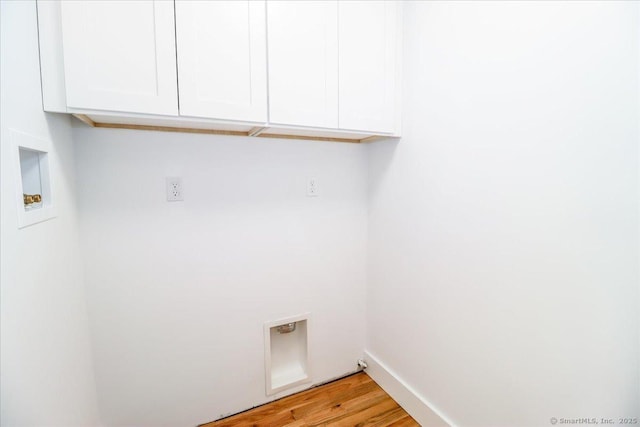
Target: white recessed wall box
286, 353
32, 176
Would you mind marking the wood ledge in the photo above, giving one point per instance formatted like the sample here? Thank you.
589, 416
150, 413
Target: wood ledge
256, 132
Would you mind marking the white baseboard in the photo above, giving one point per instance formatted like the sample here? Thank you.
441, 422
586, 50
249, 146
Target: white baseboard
418, 407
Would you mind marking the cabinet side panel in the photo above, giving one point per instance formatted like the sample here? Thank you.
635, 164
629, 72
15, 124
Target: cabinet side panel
54, 97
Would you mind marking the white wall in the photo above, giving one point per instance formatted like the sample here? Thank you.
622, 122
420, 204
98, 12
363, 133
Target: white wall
47, 376
503, 233
178, 292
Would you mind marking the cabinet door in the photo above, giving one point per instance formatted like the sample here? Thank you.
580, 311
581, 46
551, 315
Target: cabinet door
368, 38
120, 56
222, 59
303, 68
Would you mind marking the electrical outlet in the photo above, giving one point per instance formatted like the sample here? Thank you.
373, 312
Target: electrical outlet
174, 189
313, 189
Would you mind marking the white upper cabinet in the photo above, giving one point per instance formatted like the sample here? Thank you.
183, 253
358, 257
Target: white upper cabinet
332, 64
367, 64
309, 68
222, 59
303, 63
120, 56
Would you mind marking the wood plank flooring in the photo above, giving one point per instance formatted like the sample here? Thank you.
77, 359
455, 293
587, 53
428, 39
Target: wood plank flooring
352, 401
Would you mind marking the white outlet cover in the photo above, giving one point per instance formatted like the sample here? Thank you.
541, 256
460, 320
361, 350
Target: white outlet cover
313, 187
174, 189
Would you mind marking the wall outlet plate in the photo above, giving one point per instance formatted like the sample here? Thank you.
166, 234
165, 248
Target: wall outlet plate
174, 189
313, 188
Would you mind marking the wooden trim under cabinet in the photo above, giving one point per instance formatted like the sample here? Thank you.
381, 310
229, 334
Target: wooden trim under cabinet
256, 132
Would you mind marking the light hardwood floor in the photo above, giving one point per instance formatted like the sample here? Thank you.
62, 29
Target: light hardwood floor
352, 401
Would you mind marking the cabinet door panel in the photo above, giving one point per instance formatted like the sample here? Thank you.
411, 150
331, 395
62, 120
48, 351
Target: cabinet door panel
222, 64
367, 65
303, 68
120, 56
